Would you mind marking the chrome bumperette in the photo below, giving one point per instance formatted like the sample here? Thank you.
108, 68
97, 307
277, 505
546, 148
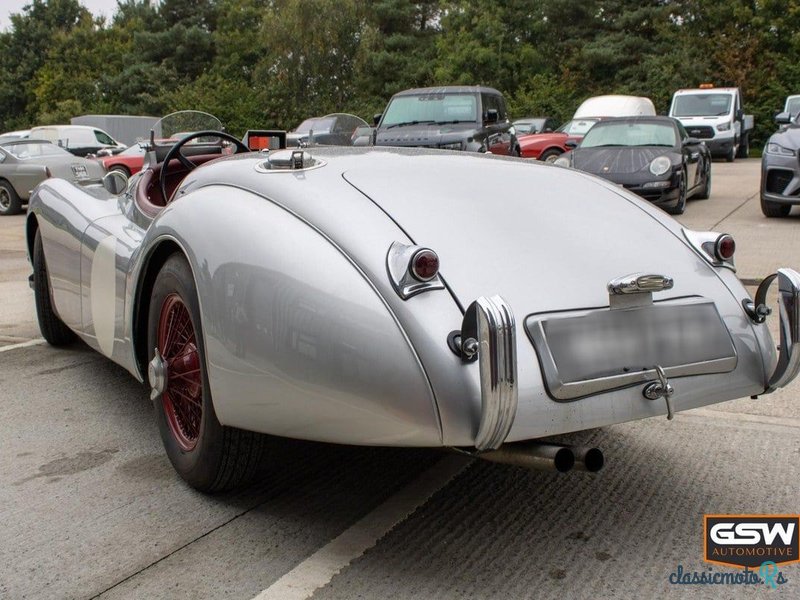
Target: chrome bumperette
704, 243
405, 284
789, 323
490, 322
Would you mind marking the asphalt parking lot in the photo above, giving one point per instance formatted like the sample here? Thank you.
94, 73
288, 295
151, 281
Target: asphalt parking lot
90, 506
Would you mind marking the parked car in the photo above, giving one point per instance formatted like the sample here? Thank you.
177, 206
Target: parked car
530, 125
331, 130
26, 163
780, 170
362, 136
252, 306
471, 118
79, 140
10, 136
715, 115
129, 161
792, 105
548, 147
653, 157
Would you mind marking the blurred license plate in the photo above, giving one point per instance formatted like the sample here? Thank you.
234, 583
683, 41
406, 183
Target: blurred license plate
80, 171
598, 350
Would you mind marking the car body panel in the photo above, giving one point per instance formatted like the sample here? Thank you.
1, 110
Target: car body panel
305, 334
537, 144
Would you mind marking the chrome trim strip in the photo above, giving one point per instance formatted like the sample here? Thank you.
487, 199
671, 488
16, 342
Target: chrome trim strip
564, 392
640, 283
490, 321
398, 261
789, 314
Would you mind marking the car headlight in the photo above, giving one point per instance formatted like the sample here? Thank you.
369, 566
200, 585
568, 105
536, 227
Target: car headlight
724, 126
773, 148
562, 161
660, 165
452, 146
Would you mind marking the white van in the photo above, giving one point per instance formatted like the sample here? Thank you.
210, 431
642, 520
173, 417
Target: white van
615, 106
715, 116
80, 140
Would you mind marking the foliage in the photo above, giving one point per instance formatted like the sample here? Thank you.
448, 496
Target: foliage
271, 63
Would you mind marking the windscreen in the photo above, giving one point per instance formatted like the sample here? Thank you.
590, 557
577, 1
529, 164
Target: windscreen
180, 124
577, 126
320, 125
431, 108
701, 105
630, 134
35, 150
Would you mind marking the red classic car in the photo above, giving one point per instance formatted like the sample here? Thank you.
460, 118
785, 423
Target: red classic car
128, 161
549, 146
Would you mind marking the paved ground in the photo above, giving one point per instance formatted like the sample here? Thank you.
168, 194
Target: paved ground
90, 507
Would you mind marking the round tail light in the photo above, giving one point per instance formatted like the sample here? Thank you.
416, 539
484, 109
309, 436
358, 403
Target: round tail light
725, 247
424, 264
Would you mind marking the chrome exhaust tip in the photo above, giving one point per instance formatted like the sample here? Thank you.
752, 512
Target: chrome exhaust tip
540, 457
588, 459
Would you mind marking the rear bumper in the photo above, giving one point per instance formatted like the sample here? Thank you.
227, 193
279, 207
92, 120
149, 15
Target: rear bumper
512, 413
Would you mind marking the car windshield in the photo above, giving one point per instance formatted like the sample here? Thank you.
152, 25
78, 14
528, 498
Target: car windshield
702, 105
178, 124
530, 126
630, 133
431, 108
577, 126
35, 150
319, 125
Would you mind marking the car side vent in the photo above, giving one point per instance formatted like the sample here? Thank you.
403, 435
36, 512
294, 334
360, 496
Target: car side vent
289, 160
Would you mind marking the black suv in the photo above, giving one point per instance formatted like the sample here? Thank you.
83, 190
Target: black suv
471, 118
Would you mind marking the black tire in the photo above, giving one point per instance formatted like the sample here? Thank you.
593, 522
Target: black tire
221, 458
731, 155
774, 210
744, 147
122, 169
52, 327
10, 203
550, 155
705, 191
681, 206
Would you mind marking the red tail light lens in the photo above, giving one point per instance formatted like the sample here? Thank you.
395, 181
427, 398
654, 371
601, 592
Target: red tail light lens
725, 247
424, 264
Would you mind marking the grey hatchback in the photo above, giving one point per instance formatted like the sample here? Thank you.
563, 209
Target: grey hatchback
780, 170
24, 164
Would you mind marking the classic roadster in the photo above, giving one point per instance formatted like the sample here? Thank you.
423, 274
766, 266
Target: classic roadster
397, 297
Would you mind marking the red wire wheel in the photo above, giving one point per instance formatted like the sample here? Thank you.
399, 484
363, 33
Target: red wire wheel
183, 393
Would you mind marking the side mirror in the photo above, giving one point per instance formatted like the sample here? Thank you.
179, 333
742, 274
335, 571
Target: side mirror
571, 144
739, 114
492, 115
690, 141
783, 118
376, 118
115, 182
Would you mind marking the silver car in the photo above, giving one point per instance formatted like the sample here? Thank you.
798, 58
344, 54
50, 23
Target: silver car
26, 163
396, 297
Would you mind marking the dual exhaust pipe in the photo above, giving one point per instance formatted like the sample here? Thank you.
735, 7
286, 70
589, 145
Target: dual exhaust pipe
547, 457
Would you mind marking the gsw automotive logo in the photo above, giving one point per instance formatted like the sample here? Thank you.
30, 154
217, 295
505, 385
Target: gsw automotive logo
750, 540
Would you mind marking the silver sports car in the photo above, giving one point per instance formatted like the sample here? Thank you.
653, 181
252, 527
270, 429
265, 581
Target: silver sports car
396, 297
25, 163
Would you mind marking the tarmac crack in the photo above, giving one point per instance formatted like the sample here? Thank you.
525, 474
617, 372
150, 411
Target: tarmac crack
168, 555
746, 200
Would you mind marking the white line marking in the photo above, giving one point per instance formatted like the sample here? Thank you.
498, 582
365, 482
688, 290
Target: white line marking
742, 417
36, 342
318, 569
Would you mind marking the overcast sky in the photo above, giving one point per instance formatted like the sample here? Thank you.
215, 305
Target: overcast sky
98, 7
